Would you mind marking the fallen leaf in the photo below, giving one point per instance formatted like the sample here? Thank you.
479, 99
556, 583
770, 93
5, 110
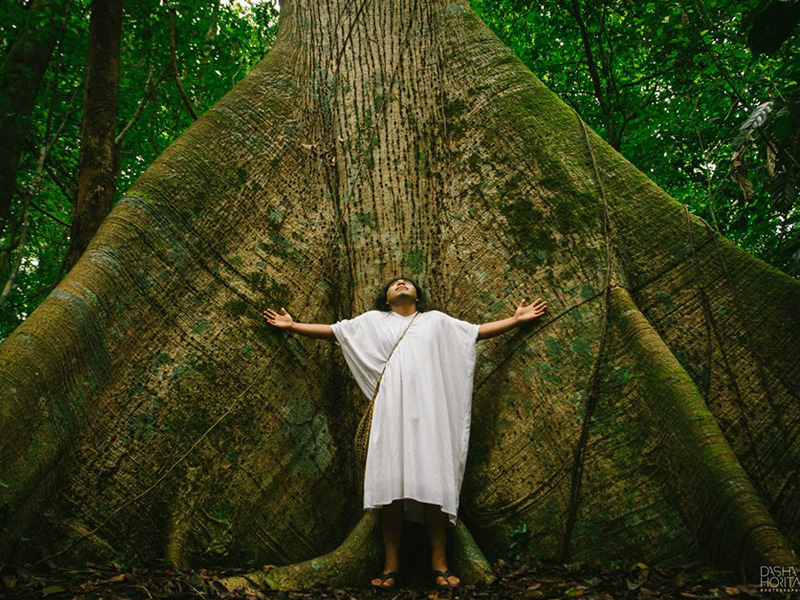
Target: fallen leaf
53, 589
646, 592
519, 571
578, 590
637, 575
732, 590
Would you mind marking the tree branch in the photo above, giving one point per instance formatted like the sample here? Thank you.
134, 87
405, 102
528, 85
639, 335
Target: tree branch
142, 103
174, 59
51, 215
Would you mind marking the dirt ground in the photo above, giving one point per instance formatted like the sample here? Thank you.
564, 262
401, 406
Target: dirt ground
517, 581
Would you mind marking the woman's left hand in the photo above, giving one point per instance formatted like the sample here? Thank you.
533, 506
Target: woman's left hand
527, 312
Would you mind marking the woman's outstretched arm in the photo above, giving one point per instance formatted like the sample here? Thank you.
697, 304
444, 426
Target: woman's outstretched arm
523, 314
285, 321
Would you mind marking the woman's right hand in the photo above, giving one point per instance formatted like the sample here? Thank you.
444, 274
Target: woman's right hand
281, 321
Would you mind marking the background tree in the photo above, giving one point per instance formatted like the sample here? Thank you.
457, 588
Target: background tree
216, 45
675, 86
149, 412
97, 176
21, 73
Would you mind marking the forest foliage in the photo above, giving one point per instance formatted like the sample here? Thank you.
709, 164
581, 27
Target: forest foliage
700, 95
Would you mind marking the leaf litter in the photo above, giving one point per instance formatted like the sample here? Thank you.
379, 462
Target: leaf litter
694, 581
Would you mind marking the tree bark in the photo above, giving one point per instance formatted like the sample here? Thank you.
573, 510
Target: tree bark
21, 75
97, 178
150, 412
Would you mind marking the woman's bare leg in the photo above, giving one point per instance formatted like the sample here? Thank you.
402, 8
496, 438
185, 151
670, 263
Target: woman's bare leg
392, 525
436, 520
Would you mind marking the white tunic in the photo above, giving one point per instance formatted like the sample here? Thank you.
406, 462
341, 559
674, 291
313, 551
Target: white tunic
421, 419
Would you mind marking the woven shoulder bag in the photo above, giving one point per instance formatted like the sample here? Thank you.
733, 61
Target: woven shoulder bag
364, 426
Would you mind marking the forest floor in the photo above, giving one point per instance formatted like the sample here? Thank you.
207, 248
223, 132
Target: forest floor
513, 581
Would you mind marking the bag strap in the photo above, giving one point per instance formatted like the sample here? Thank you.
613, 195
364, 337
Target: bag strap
378, 383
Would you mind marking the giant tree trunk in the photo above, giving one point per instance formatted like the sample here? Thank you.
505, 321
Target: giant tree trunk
21, 77
97, 177
149, 412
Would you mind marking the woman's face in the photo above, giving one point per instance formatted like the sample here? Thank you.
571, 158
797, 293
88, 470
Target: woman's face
401, 289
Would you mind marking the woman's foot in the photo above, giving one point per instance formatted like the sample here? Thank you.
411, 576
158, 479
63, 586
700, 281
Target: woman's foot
444, 578
392, 525
387, 579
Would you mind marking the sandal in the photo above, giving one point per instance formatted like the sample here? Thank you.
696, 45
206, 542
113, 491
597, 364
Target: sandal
446, 573
384, 576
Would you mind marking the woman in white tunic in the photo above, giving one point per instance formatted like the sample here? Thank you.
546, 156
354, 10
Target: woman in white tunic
419, 433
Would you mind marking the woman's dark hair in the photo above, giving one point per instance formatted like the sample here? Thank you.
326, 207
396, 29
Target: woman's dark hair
422, 301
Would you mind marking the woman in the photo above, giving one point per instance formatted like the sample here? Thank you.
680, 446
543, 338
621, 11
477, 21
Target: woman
424, 360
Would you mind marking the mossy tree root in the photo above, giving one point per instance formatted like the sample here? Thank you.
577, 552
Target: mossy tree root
355, 561
467, 558
712, 490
